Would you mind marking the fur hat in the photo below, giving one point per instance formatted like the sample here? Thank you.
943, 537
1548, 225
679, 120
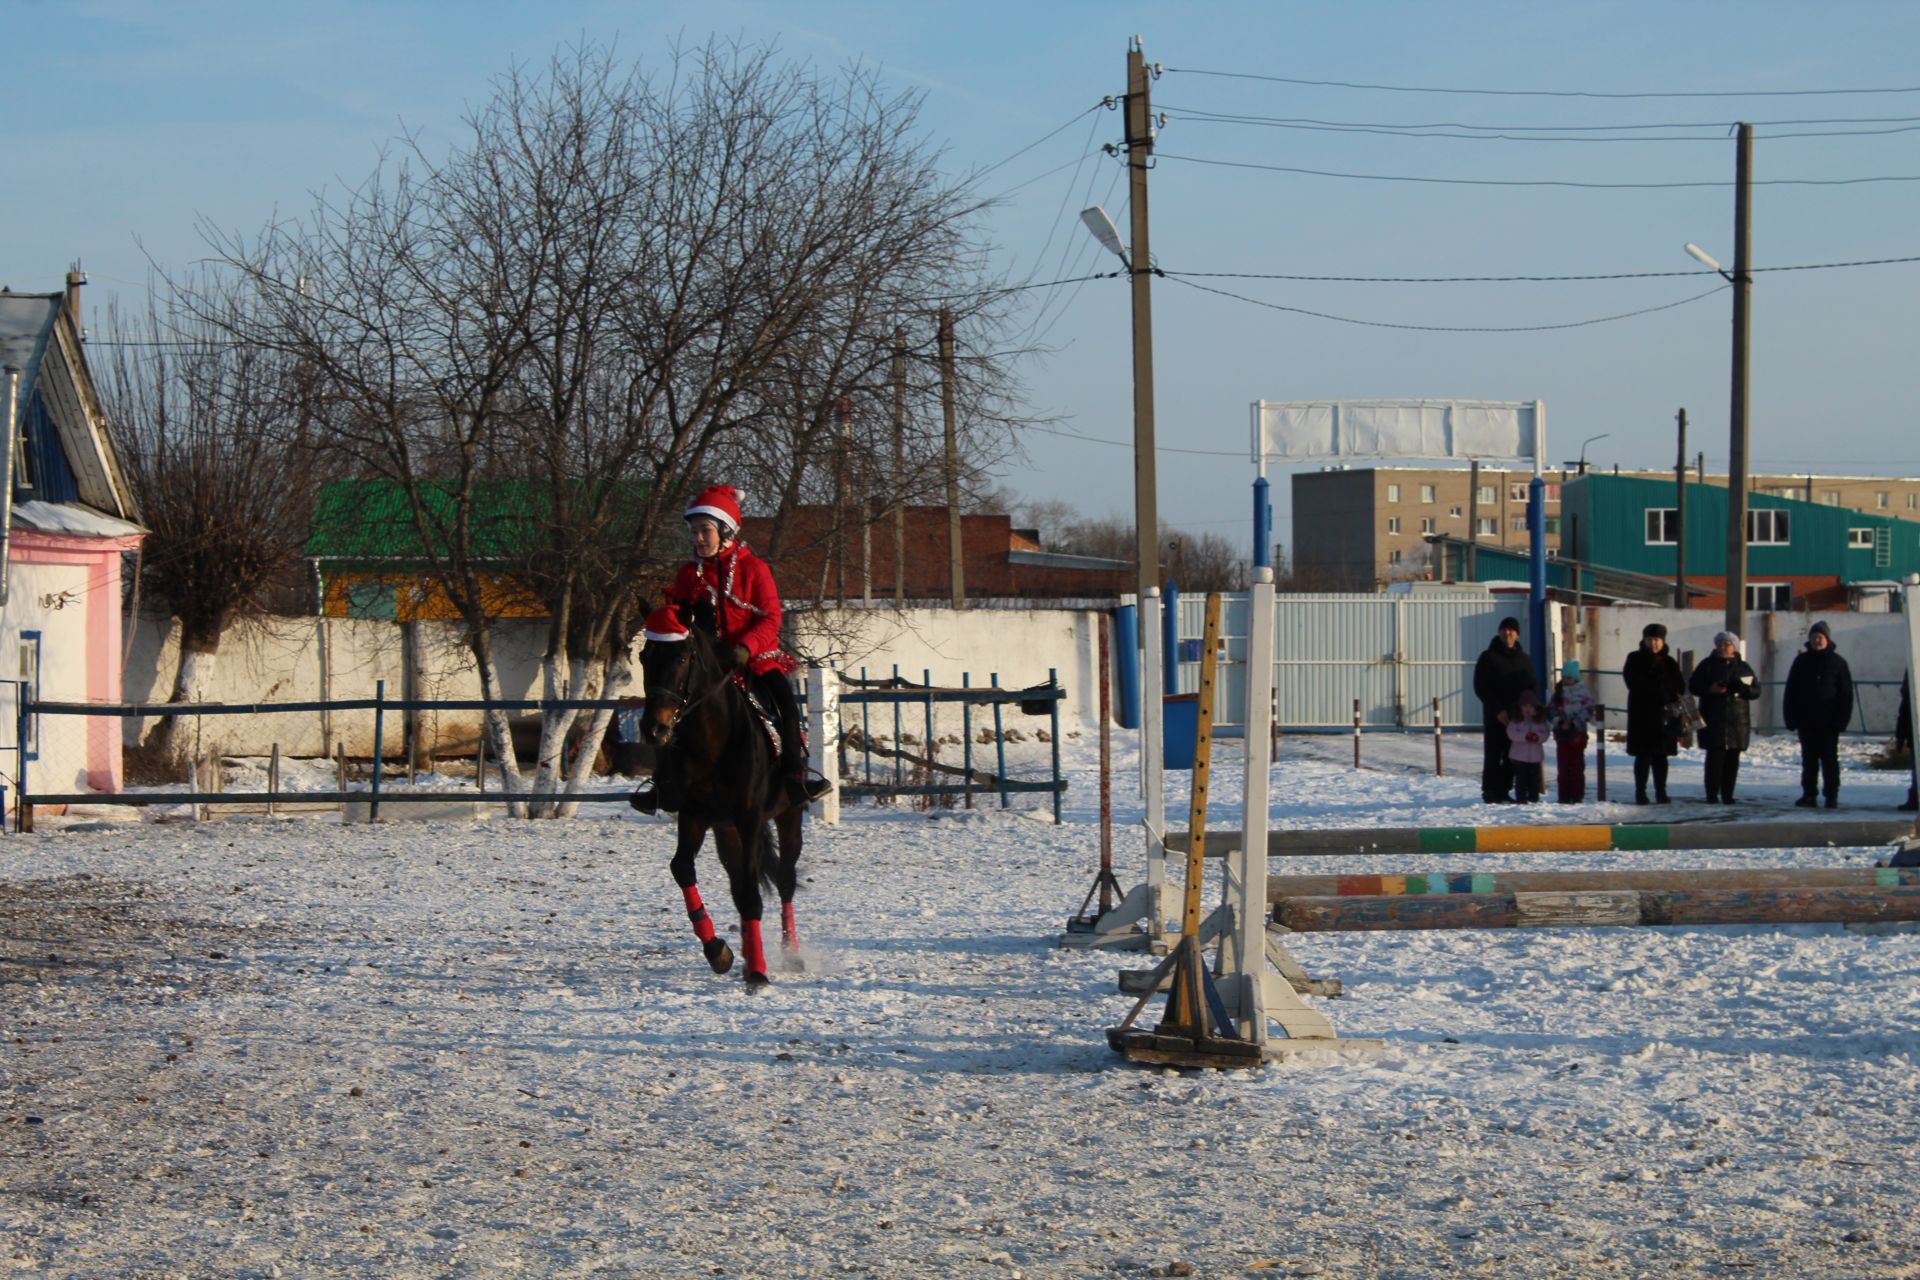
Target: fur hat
1653, 631
1726, 637
719, 502
1509, 624
664, 626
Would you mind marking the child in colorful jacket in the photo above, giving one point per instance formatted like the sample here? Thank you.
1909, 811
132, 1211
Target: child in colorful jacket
1528, 729
1573, 708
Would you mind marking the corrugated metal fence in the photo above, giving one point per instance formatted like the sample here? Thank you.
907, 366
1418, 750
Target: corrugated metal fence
1394, 653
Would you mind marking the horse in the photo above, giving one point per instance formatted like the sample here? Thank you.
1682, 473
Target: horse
728, 776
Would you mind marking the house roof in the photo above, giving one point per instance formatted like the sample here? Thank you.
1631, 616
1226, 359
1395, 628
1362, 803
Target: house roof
40, 338
371, 521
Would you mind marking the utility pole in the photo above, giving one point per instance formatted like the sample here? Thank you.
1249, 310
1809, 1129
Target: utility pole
1736, 617
1473, 521
1680, 517
956, 566
1146, 504
843, 418
899, 468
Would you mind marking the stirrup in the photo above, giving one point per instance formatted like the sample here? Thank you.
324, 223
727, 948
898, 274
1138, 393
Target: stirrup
646, 800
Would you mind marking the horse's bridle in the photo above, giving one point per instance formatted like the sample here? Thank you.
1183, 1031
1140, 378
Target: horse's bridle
680, 704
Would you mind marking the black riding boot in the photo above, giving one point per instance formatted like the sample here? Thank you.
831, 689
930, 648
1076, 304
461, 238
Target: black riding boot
800, 789
665, 791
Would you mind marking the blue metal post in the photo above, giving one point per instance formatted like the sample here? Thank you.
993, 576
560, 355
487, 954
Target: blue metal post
1170, 640
1053, 685
379, 723
897, 747
966, 737
1262, 526
20, 791
999, 744
1126, 645
933, 754
866, 729
1537, 588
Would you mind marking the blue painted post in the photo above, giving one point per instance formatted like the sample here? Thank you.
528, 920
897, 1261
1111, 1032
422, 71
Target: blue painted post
933, 752
1053, 685
379, 725
21, 819
1126, 631
866, 729
1170, 639
1262, 526
966, 737
897, 748
999, 745
1537, 587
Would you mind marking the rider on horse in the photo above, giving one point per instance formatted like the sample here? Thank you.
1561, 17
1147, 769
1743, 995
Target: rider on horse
736, 585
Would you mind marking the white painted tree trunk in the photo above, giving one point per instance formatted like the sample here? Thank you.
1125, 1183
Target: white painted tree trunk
593, 734
500, 738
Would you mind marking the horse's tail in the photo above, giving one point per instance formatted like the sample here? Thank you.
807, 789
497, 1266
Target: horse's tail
762, 866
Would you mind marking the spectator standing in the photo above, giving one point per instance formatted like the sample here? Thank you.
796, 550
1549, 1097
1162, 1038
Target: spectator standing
1818, 706
1502, 674
1571, 711
1655, 712
1903, 737
1726, 688
1527, 732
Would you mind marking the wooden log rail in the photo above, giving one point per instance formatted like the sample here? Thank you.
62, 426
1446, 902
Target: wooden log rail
1766, 905
1309, 843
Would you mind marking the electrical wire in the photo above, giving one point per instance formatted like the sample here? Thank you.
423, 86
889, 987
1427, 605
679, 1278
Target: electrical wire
1128, 444
1048, 136
1190, 113
1387, 131
1617, 275
1533, 93
1535, 182
1443, 328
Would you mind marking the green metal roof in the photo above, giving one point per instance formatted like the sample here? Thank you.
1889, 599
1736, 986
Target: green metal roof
371, 521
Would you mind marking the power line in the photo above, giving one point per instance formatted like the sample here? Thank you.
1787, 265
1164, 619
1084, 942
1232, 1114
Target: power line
1534, 182
1616, 275
1481, 134
1128, 444
1532, 93
1444, 328
1189, 113
1068, 123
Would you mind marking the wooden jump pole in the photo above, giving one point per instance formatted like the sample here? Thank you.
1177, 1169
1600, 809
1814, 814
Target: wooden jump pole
1638, 836
1829, 904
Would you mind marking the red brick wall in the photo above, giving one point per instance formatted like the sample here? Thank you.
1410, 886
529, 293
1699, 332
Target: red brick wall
806, 551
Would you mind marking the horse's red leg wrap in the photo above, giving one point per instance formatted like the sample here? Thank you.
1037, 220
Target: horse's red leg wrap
697, 912
789, 934
750, 943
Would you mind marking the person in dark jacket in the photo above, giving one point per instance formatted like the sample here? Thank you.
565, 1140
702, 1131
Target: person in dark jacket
1903, 737
1503, 673
1818, 705
1725, 686
1654, 690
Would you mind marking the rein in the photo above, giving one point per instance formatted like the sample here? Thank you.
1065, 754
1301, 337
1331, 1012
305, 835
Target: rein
684, 706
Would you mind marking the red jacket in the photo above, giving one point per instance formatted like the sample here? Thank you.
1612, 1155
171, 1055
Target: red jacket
745, 602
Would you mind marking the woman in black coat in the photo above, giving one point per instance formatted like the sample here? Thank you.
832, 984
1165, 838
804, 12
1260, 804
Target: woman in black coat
1654, 685
1725, 685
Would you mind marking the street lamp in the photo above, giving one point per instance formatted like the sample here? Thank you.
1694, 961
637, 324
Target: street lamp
1741, 279
1582, 464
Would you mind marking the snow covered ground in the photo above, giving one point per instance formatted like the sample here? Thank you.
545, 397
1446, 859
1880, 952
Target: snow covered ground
250, 1047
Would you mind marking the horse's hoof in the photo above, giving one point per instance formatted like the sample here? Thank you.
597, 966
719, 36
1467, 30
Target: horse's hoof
792, 962
757, 981
719, 954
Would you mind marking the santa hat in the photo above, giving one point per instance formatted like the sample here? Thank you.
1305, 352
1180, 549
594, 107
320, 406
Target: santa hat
720, 502
664, 625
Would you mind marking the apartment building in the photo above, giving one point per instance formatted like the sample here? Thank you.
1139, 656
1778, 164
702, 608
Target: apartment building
1356, 528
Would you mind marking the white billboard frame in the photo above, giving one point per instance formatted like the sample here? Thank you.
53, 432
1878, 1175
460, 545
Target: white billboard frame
1300, 431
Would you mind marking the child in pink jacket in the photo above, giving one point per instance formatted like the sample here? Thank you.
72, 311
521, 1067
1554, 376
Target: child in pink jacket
1528, 730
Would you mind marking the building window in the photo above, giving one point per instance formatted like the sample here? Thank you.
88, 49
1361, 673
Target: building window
1487, 527
1393, 524
1881, 499
1516, 493
1428, 524
1663, 526
1860, 538
1393, 493
1829, 497
1553, 493
1393, 556
1426, 493
1455, 512
1913, 500
1767, 528
1486, 495
1553, 524
1517, 523
1769, 597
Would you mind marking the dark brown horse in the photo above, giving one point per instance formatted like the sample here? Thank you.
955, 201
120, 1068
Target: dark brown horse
721, 770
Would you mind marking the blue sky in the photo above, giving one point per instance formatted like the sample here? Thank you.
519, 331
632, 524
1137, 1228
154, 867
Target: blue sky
129, 122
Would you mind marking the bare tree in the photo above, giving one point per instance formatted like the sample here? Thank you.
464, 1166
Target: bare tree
214, 439
593, 305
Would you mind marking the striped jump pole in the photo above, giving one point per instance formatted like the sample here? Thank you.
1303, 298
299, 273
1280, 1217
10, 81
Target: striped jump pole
1829, 904
1280, 888
1638, 836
